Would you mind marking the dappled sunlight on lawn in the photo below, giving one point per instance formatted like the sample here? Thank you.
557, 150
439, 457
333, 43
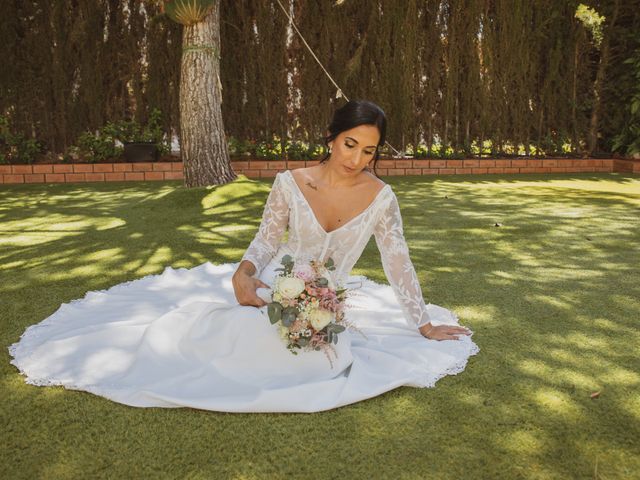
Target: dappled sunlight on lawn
543, 269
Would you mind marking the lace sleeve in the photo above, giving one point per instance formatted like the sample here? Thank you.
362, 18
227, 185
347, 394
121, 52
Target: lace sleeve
394, 253
275, 218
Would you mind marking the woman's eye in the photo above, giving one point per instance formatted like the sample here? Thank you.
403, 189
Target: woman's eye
350, 146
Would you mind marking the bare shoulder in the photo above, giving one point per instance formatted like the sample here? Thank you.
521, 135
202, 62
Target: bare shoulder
302, 173
373, 182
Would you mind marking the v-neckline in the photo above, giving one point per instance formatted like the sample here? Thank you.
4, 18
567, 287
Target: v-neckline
313, 214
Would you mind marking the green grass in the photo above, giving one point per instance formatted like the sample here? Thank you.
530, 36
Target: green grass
553, 296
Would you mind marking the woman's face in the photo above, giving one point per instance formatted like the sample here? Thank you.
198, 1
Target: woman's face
353, 149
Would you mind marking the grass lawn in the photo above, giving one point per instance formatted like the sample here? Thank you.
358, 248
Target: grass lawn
553, 296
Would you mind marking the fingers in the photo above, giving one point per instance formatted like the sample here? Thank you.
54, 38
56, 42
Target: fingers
260, 283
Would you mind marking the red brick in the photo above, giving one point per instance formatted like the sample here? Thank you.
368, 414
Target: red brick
34, 177
403, 164
470, 163
154, 175
162, 166
21, 169
496, 170
446, 171
381, 171
518, 163
43, 169
413, 171
293, 164
82, 168
430, 171
558, 169
252, 173
94, 177
123, 167
503, 163
55, 177
258, 165
267, 173
437, 163
103, 167
133, 175
14, 178
277, 165
479, 170
534, 162
486, 163
541, 169
528, 169
454, 163
143, 167
386, 163
114, 177
176, 166
395, 171
420, 163
74, 177
236, 165
463, 170
511, 170
549, 163
61, 168
5, 169
173, 175
310, 163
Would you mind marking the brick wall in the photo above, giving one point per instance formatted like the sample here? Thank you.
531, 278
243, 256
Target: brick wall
112, 172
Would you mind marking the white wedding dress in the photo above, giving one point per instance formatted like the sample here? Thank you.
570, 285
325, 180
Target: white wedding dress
180, 338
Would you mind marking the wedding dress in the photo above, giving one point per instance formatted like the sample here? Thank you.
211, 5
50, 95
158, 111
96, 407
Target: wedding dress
180, 338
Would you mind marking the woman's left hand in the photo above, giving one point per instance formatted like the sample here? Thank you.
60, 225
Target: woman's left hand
443, 332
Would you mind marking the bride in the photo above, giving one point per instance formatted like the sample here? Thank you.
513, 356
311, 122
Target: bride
201, 337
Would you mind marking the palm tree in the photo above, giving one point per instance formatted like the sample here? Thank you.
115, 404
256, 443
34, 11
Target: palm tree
203, 144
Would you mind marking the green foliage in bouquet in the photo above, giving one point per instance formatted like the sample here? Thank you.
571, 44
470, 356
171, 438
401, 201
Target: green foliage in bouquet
187, 12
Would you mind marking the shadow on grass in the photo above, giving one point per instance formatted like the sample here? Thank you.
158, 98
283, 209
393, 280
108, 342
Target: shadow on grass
551, 294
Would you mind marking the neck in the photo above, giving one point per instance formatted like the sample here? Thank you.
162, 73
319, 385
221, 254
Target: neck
333, 177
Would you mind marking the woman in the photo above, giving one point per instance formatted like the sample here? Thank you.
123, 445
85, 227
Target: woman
201, 337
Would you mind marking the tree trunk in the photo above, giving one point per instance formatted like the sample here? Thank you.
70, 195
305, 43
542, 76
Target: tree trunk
203, 144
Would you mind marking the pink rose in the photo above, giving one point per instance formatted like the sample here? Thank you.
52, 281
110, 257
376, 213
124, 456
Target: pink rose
304, 272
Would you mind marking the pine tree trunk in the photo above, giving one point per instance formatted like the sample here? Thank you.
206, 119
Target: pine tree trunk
203, 144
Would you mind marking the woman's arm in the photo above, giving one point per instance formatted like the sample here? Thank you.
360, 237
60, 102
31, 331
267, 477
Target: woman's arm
401, 274
264, 245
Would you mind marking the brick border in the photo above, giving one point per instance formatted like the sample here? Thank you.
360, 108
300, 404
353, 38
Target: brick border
117, 172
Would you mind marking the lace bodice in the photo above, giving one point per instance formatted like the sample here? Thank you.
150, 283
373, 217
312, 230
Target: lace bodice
286, 206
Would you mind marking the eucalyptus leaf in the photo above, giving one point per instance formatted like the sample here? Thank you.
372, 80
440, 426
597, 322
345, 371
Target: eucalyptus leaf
289, 315
274, 310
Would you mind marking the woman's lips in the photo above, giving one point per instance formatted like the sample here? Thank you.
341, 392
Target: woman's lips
350, 170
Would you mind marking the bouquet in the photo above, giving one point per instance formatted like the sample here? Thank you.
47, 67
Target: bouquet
308, 306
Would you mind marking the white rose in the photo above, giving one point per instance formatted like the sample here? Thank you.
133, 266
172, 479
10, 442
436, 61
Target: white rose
290, 287
320, 318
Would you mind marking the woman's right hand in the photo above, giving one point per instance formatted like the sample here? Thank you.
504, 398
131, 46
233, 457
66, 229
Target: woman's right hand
244, 287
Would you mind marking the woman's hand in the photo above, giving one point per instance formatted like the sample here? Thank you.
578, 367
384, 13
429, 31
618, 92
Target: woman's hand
244, 287
443, 332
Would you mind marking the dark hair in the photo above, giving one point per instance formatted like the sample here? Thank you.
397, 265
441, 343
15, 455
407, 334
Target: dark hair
353, 114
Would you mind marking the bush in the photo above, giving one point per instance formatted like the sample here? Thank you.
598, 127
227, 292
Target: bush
16, 148
101, 145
